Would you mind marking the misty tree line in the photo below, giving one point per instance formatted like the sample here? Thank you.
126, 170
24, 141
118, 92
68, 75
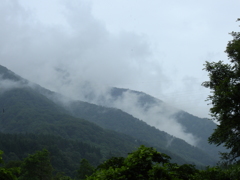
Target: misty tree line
143, 164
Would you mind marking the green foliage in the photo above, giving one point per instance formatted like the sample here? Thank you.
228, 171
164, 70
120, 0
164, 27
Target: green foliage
148, 164
113, 162
65, 153
218, 173
143, 163
225, 85
27, 111
8, 173
85, 169
37, 167
61, 176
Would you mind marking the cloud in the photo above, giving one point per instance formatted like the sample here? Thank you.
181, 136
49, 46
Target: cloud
80, 57
157, 115
153, 48
68, 48
154, 113
7, 85
84, 50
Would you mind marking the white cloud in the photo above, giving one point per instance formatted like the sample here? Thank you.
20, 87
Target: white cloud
7, 85
159, 115
147, 46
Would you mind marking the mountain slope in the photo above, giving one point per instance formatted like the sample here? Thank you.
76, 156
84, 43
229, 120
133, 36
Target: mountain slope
154, 111
65, 154
120, 121
27, 110
201, 128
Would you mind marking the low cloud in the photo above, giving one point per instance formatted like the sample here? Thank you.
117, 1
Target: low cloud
81, 59
82, 50
7, 85
157, 114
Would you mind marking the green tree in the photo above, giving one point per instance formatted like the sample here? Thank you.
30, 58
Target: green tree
8, 173
85, 169
113, 162
37, 167
144, 163
61, 176
224, 81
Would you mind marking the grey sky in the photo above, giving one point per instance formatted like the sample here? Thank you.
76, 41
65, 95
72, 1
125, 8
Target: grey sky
154, 46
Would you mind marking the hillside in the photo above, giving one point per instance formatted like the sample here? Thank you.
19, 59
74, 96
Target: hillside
27, 110
122, 122
65, 154
147, 107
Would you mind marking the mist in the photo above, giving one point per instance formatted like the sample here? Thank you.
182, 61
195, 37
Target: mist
158, 114
7, 85
77, 48
66, 48
55, 56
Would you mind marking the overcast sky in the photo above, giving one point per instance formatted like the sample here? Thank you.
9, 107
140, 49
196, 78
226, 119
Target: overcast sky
155, 46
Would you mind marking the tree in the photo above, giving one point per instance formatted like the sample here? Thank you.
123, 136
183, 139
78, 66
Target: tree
144, 163
61, 176
37, 166
224, 81
8, 173
113, 162
85, 169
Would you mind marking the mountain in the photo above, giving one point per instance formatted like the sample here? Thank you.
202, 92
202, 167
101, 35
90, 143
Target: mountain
29, 108
201, 128
153, 111
65, 154
119, 121
26, 111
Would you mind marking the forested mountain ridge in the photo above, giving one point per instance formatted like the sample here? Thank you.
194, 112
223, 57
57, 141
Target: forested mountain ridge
117, 120
26, 110
200, 128
65, 154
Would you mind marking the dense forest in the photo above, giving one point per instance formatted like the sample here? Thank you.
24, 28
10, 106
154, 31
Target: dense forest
143, 163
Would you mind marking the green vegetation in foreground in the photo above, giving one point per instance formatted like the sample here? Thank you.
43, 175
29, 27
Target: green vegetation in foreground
224, 82
148, 164
143, 164
65, 154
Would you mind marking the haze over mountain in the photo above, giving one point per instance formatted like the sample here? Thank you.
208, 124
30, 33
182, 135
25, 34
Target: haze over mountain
140, 45
156, 113
28, 102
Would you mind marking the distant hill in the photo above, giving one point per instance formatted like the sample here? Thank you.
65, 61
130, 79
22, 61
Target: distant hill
200, 128
26, 111
122, 122
29, 108
65, 154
